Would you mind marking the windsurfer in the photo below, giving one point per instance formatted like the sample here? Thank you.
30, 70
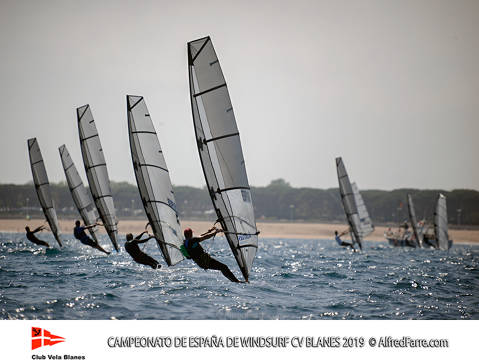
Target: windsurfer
79, 233
131, 246
32, 238
203, 259
429, 240
340, 241
408, 236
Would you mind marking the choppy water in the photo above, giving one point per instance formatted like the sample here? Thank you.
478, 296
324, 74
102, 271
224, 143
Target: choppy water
291, 279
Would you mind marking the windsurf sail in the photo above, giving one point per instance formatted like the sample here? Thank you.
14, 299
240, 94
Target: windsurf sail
349, 202
42, 186
220, 151
153, 180
79, 193
440, 223
365, 225
412, 217
96, 171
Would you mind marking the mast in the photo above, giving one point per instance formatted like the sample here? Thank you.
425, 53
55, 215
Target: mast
81, 198
440, 223
349, 202
366, 226
42, 187
96, 171
220, 151
153, 180
413, 219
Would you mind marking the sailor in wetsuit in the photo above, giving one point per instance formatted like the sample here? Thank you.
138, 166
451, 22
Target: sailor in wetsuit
203, 259
408, 236
32, 238
79, 233
340, 241
131, 246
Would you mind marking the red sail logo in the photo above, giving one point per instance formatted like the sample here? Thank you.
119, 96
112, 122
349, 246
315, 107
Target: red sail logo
42, 337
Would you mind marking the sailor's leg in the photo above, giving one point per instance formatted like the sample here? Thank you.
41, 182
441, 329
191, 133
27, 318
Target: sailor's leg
43, 243
149, 261
214, 264
100, 248
154, 264
39, 242
90, 242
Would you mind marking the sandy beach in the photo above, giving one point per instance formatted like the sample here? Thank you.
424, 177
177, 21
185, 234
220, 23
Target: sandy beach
267, 229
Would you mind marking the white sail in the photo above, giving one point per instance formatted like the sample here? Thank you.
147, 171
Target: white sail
413, 219
79, 193
440, 223
349, 202
220, 151
365, 226
96, 171
153, 180
42, 186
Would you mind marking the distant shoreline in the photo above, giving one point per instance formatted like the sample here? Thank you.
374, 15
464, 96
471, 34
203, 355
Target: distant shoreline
282, 230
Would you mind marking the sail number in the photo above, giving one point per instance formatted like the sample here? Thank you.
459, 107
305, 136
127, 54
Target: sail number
242, 237
172, 204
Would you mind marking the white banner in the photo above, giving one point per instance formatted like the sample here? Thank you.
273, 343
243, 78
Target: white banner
236, 340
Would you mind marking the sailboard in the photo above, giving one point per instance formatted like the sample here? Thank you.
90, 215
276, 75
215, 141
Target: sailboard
366, 226
440, 223
413, 219
96, 171
349, 202
42, 186
220, 152
153, 180
81, 198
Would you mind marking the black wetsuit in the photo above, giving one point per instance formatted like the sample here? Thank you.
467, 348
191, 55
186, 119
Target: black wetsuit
32, 238
79, 233
139, 256
204, 260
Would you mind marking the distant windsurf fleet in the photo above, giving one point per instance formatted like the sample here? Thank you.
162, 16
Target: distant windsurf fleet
423, 235
360, 224
220, 151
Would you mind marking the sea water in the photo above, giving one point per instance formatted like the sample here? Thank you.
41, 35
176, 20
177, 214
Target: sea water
290, 279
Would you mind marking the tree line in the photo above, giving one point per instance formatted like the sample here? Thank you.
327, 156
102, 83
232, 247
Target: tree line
278, 201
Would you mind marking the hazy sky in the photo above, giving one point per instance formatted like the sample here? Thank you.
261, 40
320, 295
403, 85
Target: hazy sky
391, 86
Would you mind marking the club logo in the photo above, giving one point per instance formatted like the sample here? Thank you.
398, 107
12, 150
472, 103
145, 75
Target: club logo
42, 337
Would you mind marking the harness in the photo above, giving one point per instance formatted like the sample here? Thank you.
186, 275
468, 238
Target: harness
184, 252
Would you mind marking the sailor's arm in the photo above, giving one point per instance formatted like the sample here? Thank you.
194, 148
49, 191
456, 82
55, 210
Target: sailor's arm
91, 226
38, 229
343, 233
139, 240
140, 235
209, 235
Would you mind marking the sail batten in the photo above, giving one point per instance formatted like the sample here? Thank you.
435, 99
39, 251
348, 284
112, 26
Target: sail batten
96, 171
349, 202
81, 198
153, 180
42, 187
220, 152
